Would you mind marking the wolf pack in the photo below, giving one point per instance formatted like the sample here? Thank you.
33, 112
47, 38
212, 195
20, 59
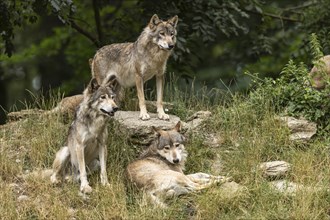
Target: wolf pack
159, 170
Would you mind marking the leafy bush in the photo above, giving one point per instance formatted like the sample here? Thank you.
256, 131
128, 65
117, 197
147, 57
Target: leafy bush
292, 92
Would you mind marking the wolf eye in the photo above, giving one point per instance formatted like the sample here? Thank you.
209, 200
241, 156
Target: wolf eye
167, 147
172, 33
103, 96
112, 96
176, 144
162, 33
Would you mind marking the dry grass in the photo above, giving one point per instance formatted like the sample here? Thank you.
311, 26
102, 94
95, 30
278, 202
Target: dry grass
251, 135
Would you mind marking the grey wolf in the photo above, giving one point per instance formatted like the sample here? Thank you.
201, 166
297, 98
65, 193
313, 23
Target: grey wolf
159, 170
319, 72
136, 62
87, 136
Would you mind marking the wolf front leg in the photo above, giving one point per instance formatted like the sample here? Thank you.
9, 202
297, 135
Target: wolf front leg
103, 165
84, 185
140, 92
160, 80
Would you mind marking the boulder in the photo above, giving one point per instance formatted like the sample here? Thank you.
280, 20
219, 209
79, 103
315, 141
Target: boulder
301, 129
139, 131
274, 169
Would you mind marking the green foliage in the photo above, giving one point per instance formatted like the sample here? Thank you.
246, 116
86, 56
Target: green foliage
292, 91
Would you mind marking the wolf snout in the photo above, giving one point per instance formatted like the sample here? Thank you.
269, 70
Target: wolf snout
111, 112
170, 46
176, 160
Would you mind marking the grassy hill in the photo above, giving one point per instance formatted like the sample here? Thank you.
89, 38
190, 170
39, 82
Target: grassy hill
250, 135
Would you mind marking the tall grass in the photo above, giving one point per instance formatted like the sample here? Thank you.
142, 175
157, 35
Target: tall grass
251, 135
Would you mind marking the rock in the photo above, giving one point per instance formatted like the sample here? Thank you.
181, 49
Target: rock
23, 114
290, 188
23, 198
212, 140
320, 72
140, 132
195, 121
285, 186
301, 129
274, 169
231, 189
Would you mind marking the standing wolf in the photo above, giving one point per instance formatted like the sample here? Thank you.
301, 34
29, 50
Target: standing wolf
159, 170
86, 142
136, 63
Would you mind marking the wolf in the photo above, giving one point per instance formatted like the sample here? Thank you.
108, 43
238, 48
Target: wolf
159, 169
136, 62
87, 136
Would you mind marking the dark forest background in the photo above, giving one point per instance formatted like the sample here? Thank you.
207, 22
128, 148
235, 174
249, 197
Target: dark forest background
46, 44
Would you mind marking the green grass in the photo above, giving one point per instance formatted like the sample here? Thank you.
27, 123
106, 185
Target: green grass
251, 134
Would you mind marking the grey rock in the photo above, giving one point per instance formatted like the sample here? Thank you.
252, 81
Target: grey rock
23, 198
275, 169
196, 120
139, 131
301, 129
290, 188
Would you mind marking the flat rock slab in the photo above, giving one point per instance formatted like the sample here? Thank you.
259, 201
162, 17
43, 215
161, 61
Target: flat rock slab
140, 131
301, 129
275, 169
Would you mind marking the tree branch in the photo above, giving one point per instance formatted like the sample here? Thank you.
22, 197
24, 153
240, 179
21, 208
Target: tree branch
75, 26
283, 18
98, 21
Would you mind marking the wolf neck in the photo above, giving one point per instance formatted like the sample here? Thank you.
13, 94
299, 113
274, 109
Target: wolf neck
151, 152
146, 47
91, 116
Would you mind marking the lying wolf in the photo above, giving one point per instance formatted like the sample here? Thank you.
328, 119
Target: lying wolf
159, 170
135, 63
86, 142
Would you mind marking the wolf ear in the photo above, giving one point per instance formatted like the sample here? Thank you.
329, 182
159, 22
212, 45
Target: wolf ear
157, 130
90, 62
173, 21
154, 21
112, 82
178, 126
93, 85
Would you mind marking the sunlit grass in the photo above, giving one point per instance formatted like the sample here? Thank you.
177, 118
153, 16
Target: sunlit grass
251, 134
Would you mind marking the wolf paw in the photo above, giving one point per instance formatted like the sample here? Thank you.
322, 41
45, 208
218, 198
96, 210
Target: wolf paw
54, 179
163, 116
144, 116
86, 189
105, 182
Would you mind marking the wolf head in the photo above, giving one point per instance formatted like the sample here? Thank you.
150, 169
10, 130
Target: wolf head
163, 32
101, 97
170, 144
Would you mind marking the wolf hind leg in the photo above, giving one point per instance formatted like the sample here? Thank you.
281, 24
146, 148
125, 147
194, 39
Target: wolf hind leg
60, 165
204, 178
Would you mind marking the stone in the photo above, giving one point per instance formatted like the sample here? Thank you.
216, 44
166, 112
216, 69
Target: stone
301, 129
23, 198
23, 114
139, 131
291, 188
196, 120
231, 189
274, 169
